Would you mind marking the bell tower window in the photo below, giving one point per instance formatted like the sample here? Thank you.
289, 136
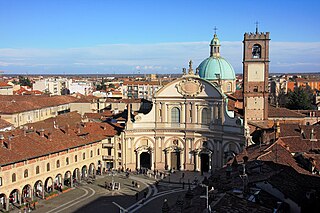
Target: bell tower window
256, 51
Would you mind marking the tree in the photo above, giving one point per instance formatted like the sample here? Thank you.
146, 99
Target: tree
300, 98
24, 81
112, 86
282, 98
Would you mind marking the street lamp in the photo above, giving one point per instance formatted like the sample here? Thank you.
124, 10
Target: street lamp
206, 196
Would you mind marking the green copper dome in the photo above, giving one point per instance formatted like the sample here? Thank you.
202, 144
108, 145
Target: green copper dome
214, 68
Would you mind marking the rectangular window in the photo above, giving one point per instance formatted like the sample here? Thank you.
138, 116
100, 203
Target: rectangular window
119, 155
0, 181
109, 151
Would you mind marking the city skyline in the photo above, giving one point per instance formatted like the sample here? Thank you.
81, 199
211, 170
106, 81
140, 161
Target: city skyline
105, 37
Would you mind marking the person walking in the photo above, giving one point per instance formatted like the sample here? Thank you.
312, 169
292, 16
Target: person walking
137, 196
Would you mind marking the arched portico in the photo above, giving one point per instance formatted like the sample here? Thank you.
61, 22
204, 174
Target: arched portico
4, 202
76, 175
14, 197
48, 185
58, 182
38, 189
67, 179
27, 195
92, 170
84, 172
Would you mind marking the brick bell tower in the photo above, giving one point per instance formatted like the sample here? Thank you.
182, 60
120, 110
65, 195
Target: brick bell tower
255, 75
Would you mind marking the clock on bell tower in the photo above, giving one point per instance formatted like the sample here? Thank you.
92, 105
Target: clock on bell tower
255, 75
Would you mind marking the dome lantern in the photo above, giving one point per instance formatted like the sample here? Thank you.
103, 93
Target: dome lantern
215, 47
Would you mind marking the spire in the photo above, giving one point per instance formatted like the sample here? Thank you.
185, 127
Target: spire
215, 45
257, 26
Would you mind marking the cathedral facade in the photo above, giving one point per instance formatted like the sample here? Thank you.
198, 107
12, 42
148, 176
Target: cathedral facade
188, 128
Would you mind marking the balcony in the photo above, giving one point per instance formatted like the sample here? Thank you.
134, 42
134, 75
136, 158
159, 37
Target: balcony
107, 157
107, 145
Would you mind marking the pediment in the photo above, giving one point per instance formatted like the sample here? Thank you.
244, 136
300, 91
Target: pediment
189, 87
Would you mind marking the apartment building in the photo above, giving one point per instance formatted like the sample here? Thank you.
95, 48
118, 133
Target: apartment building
6, 89
140, 89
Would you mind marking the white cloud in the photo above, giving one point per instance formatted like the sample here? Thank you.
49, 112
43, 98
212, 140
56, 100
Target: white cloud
159, 57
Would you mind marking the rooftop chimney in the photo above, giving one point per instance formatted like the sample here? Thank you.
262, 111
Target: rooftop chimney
302, 133
41, 132
276, 128
2, 139
67, 129
313, 135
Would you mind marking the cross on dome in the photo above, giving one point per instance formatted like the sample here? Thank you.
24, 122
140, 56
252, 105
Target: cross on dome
215, 30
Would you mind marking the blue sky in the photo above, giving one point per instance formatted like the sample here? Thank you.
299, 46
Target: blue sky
126, 36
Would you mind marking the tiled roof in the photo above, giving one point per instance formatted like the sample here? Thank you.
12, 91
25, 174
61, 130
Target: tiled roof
15, 103
238, 95
286, 179
230, 203
4, 84
67, 133
279, 112
4, 123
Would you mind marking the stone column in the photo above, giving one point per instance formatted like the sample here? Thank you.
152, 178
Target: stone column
216, 114
187, 112
182, 113
31, 194
222, 112
194, 114
195, 155
161, 147
154, 157
157, 112
212, 113
165, 160
164, 112
71, 180
6, 200
137, 159
19, 196
198, 114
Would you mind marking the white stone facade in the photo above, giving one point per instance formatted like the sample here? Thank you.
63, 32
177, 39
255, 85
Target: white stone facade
188, 128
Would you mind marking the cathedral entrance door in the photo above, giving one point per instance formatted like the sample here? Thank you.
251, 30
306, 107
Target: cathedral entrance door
145, 160
175, 160
204, 162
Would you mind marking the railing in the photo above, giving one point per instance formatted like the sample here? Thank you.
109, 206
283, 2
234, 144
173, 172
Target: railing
107, 145
107, 157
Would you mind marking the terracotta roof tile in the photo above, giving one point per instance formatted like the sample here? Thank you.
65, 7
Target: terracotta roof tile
14, 103
67, 133
4, 124
274, 112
